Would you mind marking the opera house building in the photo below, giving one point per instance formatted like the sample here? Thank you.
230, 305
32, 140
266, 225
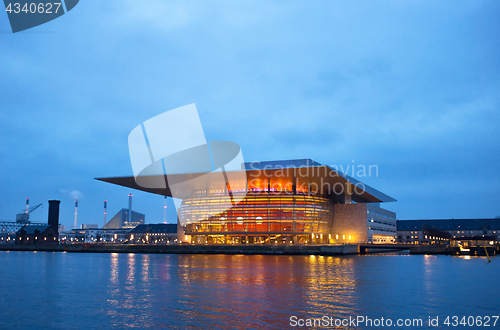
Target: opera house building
276, 202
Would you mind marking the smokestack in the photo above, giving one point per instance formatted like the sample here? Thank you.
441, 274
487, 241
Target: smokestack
105, 208
27, 205
76, 213
165, 211
130, 208
54, 214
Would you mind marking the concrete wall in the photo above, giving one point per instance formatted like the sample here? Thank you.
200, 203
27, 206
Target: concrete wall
349, 220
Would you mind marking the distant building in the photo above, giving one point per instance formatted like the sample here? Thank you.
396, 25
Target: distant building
151, 233
121, 220
37, 234
89, 226
94, 235
435, 231
154, 233
114, 231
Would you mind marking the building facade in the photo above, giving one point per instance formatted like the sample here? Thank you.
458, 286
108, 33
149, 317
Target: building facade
41, 234
447, 230
37, 235
94, 235
153, 234
122, 220
276, 202
381, 224
289, 202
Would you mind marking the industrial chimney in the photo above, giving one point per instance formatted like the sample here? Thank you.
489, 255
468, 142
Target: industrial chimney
54, 214
129, 208
165, 211
76, 213
105, 212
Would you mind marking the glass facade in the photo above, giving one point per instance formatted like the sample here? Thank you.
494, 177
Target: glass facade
259, 217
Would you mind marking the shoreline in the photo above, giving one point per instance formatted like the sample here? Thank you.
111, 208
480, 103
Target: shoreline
325, 250
348, 249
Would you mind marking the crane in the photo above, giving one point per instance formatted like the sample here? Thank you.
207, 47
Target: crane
24, 216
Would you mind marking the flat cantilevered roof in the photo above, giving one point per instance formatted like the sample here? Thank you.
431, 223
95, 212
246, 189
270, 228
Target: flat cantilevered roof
303, 172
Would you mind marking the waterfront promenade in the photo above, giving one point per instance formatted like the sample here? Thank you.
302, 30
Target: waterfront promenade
347, 249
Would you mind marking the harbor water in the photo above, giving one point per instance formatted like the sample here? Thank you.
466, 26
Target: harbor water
54, 290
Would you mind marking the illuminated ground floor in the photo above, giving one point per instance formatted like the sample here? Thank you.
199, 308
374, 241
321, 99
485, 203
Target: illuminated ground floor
256, 239
284, 239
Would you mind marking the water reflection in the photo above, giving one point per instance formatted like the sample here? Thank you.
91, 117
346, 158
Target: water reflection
131, 270
330, 284
114, 268
130, 289
237, 292
267, 289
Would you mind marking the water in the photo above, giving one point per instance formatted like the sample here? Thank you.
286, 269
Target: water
40, 290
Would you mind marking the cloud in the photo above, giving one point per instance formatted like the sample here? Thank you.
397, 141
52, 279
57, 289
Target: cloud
74, 194
410, 86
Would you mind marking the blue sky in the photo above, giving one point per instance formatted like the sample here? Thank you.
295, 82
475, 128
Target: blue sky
410, 86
